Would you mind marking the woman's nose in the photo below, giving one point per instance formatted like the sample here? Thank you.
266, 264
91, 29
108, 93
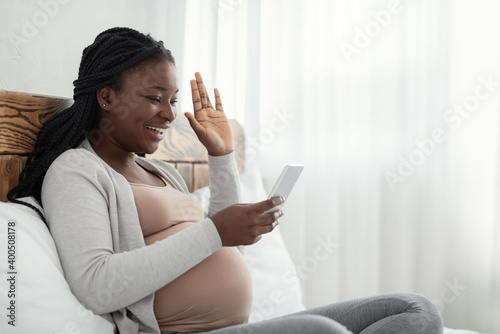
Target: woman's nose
169, 112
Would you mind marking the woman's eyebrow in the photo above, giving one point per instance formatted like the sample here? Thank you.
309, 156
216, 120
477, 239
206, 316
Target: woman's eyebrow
163, 89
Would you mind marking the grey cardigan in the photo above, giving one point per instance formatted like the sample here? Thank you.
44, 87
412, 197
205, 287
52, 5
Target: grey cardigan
92, 217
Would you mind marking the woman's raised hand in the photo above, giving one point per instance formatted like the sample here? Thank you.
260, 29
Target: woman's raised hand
239, 224
243, 224
210, 125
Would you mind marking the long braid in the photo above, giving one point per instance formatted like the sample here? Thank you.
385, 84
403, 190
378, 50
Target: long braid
113, 53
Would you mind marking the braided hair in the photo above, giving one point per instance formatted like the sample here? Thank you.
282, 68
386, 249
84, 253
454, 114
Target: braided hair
114, 53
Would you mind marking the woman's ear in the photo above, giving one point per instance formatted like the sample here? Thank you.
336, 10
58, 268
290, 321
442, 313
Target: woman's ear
103, 97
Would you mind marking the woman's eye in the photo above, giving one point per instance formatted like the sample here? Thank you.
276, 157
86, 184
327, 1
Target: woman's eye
174, 103
155, 98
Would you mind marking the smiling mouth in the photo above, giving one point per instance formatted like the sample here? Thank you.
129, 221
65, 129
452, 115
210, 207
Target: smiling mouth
161, 131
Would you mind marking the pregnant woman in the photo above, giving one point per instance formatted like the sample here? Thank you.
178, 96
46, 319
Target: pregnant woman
135, 246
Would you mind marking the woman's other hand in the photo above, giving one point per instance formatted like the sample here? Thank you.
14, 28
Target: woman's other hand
243, 224
210, 125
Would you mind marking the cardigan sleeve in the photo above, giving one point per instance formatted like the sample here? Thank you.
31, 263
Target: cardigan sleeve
224, 182
90, 227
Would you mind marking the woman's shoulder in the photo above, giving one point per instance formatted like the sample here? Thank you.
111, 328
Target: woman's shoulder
81, 169
75, 159
77, 163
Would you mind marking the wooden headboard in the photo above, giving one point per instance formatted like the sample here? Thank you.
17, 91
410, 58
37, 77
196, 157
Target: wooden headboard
22, 115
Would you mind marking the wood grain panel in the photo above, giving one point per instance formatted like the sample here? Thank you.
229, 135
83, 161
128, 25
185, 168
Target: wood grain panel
186, 170
10, 168
21, 117
182, 145
200, 176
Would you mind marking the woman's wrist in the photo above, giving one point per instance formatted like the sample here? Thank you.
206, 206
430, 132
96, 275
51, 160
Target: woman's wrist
220, 154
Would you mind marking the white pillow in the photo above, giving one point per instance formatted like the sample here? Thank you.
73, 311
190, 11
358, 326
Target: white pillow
276, 286
41, 297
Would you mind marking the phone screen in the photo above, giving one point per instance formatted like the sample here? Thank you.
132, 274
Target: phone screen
285, 183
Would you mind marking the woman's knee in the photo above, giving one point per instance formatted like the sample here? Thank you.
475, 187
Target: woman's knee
420, 303
294, 324
430, 320
317, 324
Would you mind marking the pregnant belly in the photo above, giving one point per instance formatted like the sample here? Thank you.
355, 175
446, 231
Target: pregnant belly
216, 293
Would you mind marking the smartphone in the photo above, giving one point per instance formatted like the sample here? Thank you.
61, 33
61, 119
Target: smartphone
284, 185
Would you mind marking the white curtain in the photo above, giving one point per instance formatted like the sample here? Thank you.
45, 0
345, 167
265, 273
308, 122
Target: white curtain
392, 106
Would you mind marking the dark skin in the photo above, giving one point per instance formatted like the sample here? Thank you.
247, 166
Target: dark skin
134, 118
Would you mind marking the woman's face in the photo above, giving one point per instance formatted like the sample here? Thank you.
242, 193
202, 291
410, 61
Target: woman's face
138, 114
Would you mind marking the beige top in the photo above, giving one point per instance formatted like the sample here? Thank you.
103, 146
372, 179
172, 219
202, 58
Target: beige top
214, 294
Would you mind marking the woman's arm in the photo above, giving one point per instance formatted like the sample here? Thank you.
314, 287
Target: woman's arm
90, 228
224, 182
238, 224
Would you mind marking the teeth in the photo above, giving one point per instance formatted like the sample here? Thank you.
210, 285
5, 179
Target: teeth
158, 130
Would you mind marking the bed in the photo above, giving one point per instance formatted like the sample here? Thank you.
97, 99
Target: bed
35, 295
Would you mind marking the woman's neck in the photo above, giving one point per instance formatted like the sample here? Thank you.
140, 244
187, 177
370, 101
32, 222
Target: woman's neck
117, 158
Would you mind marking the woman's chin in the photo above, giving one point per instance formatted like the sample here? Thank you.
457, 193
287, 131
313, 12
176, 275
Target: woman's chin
149, 149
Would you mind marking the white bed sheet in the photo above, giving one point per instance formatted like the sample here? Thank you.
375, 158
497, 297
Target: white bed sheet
459, 331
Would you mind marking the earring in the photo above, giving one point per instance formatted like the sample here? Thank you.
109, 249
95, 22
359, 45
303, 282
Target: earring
104, 104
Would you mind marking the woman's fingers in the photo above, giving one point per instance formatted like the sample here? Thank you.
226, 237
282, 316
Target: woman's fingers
195, 92
268, 204
201, 99
269, 218
205, 100
195, 125
201, 89
242, 224
268, 227
218, 100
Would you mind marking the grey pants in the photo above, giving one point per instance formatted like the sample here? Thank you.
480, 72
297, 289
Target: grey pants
396, 313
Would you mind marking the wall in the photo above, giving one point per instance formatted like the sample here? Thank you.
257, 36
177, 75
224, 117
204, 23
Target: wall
41, 41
